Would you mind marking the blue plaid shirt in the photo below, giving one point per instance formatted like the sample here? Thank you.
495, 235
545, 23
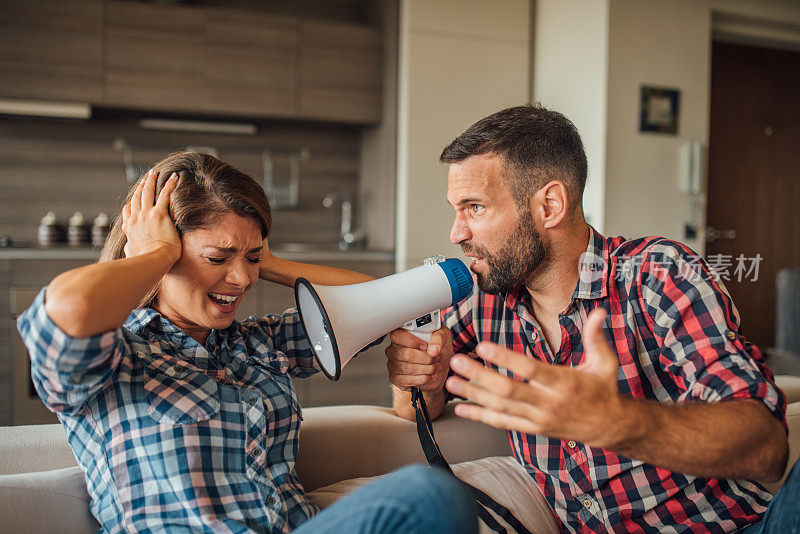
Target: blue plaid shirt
177, 436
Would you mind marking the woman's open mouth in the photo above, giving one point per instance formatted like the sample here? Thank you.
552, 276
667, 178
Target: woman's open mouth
225, 303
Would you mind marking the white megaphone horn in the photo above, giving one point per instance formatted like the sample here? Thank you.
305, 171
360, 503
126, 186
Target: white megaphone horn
341, 320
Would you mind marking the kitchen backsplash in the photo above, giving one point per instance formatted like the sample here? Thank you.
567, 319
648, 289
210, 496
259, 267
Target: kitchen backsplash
68, 166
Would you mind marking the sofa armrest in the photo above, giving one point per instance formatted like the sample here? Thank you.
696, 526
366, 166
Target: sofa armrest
33, 448
342, 442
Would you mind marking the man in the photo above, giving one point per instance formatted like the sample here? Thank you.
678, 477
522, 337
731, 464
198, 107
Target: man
662, 430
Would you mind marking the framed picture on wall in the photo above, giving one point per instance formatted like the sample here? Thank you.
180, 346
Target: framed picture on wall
659, 110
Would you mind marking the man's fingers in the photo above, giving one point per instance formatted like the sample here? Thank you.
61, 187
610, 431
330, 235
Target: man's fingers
495, 418
519, 364
513, 399
166, 192
405, 368
438, 340
480, 375
599, 357
405, 338
403, 354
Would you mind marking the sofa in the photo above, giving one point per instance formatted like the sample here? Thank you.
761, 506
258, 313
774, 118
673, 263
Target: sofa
42, 489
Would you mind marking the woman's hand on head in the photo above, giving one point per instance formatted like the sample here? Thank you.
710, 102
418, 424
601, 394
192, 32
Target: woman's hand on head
146, 220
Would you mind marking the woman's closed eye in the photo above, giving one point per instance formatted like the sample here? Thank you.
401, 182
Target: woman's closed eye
220, 261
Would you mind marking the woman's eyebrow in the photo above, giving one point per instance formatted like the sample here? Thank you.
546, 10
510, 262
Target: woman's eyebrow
231, 250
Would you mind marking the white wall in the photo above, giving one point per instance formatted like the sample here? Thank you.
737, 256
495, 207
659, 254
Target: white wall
571, 71
459, 61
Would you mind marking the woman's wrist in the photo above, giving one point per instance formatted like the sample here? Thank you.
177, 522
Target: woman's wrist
271, 270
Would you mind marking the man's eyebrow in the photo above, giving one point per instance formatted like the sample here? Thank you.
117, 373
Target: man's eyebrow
469, 200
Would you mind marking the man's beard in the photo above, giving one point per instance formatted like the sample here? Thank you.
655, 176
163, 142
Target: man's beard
511, 266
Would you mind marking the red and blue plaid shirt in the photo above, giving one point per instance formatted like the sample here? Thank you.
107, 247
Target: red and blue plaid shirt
678, 338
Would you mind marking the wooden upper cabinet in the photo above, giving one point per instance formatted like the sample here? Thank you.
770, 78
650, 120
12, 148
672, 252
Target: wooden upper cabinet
154, 57
340, 72
251, 64
51, 49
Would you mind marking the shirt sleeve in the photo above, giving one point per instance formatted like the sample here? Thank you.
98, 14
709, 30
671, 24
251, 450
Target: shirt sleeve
66, 371
289, 338
699, 333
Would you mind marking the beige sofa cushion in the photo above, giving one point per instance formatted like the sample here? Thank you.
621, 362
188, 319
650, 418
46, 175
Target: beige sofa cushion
500, 477
46, 501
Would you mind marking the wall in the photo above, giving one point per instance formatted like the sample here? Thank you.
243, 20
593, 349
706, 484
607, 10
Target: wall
63, 166
571, 72
460, 60
663, 44
656, 42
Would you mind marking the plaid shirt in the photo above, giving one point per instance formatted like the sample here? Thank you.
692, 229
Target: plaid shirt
177, 436
676, 333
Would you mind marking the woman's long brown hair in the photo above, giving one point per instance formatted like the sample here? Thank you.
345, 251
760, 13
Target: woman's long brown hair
207, 189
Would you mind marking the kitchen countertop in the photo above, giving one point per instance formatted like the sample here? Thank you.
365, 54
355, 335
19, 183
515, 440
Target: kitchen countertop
293, 252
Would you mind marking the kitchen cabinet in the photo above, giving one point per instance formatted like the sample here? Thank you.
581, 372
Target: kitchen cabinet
340, 71
154, 57
190, 59
250, 63
51, 49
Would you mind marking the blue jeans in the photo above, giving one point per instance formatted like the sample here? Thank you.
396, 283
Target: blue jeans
414, 500
783, 514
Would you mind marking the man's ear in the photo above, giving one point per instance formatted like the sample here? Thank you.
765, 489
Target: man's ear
550, 204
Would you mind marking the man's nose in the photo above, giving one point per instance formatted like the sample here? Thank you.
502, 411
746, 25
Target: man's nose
459, 232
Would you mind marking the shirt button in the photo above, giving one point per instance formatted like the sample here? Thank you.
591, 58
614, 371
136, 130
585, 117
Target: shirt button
571, 444
587, 504
251, 400
731, 335
271, 500
256, 452
177, 369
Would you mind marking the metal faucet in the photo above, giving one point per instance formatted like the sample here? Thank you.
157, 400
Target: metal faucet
347, 236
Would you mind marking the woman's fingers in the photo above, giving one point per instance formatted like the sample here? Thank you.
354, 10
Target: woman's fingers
136, 199
149, 190
166, 192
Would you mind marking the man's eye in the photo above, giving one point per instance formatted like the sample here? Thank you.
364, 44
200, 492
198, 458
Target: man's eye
254, 260
476, 208
216, 261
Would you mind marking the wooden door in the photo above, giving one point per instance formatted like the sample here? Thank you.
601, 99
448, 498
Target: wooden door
754, 177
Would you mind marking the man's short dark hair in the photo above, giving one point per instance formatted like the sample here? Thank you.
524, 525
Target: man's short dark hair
538, 145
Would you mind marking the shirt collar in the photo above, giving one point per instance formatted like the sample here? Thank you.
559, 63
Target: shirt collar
143, 321
593, 268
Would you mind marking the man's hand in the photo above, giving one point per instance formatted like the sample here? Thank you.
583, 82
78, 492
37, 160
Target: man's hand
580, 403
412, 362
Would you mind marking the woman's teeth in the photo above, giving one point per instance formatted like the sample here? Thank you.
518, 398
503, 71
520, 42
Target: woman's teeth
223, 299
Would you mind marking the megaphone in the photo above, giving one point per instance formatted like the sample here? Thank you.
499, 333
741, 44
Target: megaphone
341, 320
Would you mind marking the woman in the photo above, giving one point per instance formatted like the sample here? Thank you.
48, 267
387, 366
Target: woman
182, 418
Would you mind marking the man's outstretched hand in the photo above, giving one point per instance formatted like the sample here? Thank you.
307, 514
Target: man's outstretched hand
581, 403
